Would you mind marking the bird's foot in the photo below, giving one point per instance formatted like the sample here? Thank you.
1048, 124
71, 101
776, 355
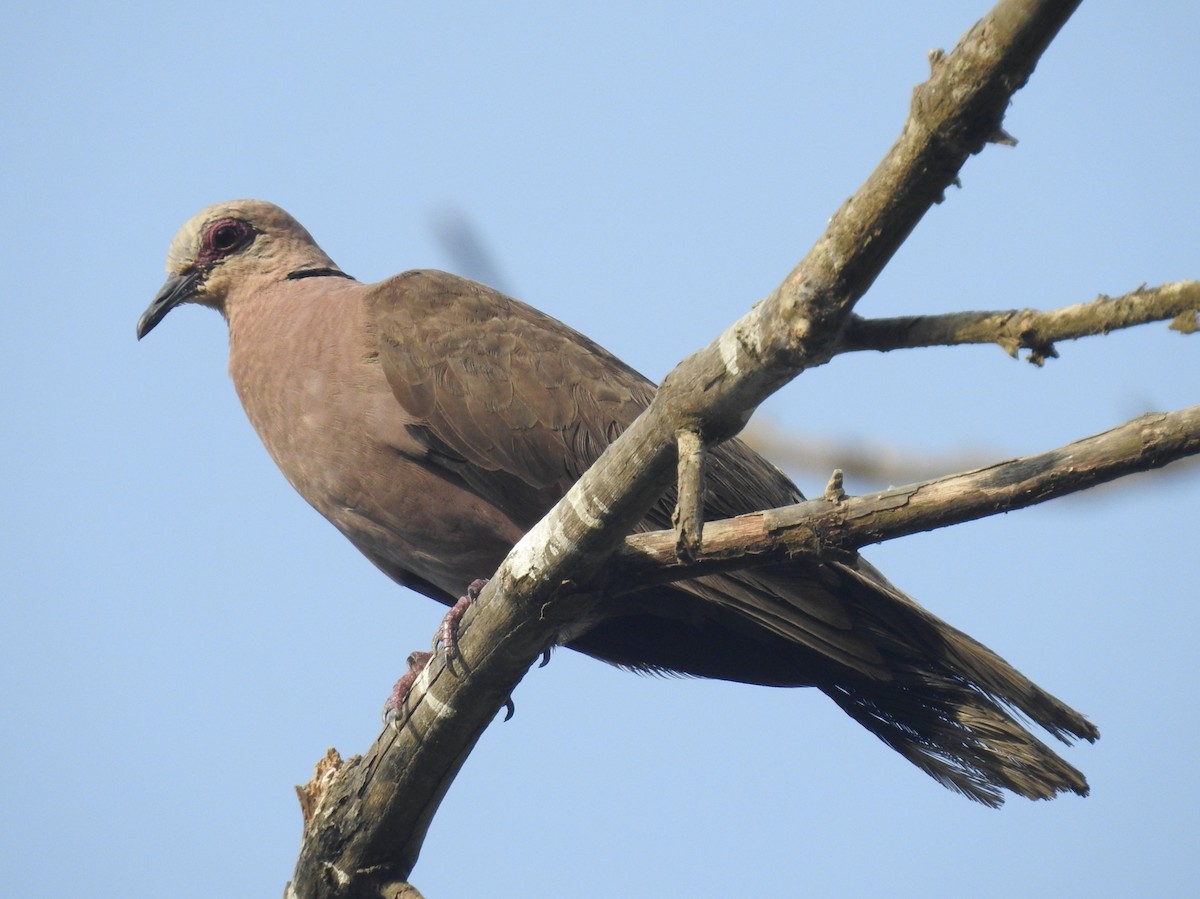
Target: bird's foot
447, 638
448, 632
399, 695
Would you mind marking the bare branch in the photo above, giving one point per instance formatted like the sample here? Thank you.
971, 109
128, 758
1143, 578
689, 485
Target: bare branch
883, 463
1030, 329
835, 490
364, 836
689, 511
835, 525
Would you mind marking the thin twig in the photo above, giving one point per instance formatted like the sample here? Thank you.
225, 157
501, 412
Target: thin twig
1029, 329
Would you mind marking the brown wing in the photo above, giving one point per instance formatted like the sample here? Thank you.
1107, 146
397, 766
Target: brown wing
511, 400
519, 405
502, 389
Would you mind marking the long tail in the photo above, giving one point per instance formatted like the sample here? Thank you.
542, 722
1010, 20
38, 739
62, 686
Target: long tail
947, 706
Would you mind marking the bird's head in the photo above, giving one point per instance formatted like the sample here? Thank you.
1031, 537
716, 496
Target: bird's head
232, 243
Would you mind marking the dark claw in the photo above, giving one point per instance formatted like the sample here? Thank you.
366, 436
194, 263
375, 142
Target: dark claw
545, 657
509, 709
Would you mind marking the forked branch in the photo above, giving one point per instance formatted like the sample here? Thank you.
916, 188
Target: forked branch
833, 527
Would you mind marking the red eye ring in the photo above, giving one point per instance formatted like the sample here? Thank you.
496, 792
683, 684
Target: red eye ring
223, 237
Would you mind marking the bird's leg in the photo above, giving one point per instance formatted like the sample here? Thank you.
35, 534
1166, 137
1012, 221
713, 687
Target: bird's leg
395, 702
447, 637
448, 632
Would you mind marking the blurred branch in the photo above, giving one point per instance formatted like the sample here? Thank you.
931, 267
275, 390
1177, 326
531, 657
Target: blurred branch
463, 243
366, 824
1030, 329
872, 462
877, 464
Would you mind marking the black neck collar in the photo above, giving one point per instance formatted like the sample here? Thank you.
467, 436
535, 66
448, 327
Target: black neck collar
317, 273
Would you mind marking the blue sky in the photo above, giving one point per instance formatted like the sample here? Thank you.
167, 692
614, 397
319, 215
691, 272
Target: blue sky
181, 637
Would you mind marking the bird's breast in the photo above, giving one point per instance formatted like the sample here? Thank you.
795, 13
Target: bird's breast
309, 380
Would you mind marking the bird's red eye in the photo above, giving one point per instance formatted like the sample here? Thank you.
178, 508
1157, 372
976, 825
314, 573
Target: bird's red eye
226, 237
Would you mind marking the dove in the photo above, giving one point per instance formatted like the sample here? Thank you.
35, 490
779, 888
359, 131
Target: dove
434, 420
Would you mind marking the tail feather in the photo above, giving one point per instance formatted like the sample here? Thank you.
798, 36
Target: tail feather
946, 707
960, 737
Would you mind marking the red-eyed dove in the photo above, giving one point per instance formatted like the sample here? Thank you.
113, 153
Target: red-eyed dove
434, 420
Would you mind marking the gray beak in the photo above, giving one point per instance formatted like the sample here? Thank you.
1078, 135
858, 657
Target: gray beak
178, 289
